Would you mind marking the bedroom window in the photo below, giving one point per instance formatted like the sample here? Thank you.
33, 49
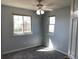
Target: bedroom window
51, 24
21, 24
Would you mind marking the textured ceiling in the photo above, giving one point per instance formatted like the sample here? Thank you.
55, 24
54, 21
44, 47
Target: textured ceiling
31, 4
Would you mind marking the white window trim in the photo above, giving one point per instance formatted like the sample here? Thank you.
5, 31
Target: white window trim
25, 33
50, 33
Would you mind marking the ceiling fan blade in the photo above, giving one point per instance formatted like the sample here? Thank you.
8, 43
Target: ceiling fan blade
51, 6
48, 9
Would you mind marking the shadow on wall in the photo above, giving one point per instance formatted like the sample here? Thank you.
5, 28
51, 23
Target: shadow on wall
49, 47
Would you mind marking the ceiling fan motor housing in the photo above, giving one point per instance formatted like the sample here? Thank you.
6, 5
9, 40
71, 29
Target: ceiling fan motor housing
39, 6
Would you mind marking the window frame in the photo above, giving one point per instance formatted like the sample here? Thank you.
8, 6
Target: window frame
24, 33
51, 24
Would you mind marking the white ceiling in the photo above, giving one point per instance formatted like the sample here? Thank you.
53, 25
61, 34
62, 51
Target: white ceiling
31, 4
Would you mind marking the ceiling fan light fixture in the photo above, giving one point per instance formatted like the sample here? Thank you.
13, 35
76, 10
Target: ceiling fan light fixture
40, 12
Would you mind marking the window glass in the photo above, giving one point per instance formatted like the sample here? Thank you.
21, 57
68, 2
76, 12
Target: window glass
51, 28
52, 20
27, 24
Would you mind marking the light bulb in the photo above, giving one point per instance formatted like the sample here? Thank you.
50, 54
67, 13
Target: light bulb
42, 11
38, 12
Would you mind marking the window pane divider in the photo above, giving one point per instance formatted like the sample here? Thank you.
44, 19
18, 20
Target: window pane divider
23, 23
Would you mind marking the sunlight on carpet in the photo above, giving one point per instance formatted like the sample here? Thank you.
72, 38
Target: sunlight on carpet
49, 48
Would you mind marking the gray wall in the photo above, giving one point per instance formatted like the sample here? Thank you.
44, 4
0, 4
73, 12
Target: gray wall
60, 37
10, 42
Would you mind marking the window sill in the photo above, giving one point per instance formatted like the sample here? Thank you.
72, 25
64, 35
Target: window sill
51, 33
23, 34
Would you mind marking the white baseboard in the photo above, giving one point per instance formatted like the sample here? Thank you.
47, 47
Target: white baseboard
62, 52
71, 57
32, 45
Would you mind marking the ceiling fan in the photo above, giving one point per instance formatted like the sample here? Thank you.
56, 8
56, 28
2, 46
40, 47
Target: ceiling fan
41, 8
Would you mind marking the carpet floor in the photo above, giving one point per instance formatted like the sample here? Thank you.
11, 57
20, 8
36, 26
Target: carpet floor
32, 53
